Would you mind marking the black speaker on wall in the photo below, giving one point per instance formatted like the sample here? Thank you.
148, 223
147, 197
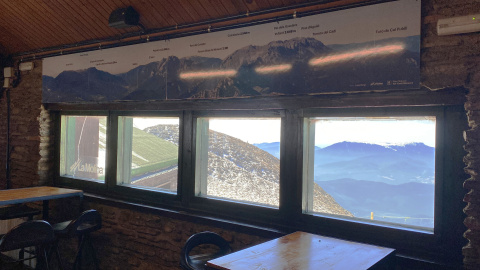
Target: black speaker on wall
123, 18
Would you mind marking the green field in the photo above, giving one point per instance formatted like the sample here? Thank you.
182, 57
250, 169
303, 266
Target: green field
151, 153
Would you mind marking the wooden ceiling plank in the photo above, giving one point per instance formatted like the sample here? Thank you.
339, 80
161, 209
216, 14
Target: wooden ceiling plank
240, 7
55, 26
270, 4
230, 7
252, 6
178, 15
281, 3
57, 20
221, 10
263, 4
99, 15
77, 26
103, 7
94, 24
153, 9
10, 40
97, 29
204, 10
16, 16
190, 11
161, 10
33, 36
211, 9
10, 21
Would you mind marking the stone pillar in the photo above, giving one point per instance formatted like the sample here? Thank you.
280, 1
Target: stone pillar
47, 149
471, 251
26, 131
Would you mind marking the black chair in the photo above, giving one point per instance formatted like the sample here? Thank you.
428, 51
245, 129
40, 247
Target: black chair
89, 221
35, 233
18, 211
197, 261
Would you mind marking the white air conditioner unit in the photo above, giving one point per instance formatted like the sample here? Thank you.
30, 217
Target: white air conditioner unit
25, 66
458, 25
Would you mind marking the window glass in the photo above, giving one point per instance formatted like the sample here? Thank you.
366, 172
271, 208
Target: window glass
148, 152
82, 150
376, 169
239, 159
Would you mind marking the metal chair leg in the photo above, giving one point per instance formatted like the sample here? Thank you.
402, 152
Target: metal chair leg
92, 250
57, 253
45, 259
78, 259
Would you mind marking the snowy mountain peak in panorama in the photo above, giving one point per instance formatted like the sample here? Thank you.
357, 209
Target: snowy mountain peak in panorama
276, 52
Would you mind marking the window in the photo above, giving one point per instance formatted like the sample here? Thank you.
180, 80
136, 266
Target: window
147, 154
238, 159
82, 149
331, 171
376, 169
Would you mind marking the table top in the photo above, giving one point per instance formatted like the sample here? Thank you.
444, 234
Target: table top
23, 195
301, 250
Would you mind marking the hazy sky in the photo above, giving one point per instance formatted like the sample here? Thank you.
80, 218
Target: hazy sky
380, 131
328, 131
251, 131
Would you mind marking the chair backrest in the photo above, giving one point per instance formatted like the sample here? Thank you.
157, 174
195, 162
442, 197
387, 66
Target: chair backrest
202, 238
88, 221
28, 234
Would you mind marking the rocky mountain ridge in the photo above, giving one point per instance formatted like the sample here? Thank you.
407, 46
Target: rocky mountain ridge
240, 171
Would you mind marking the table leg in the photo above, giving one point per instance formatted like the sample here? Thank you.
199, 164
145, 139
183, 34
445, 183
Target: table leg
45, 210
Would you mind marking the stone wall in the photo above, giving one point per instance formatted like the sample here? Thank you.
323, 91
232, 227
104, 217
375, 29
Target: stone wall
449, 61
29, 130
126, 240
134, 240
471, 252
3, 137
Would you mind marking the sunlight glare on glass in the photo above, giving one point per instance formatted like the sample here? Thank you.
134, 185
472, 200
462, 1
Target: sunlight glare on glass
355, 54
273, 69
208, 74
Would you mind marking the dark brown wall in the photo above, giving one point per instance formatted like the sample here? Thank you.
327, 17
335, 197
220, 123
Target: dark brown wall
134, 240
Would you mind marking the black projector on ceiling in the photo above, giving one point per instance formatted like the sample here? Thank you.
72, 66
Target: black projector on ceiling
123, 18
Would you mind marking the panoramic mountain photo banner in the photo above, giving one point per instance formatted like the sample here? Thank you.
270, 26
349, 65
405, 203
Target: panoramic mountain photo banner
375, 47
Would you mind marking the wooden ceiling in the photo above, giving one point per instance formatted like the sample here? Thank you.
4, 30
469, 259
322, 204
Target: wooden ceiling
29, 27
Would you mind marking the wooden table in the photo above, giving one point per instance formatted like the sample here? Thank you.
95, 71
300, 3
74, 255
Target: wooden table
33, 194
304, 251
